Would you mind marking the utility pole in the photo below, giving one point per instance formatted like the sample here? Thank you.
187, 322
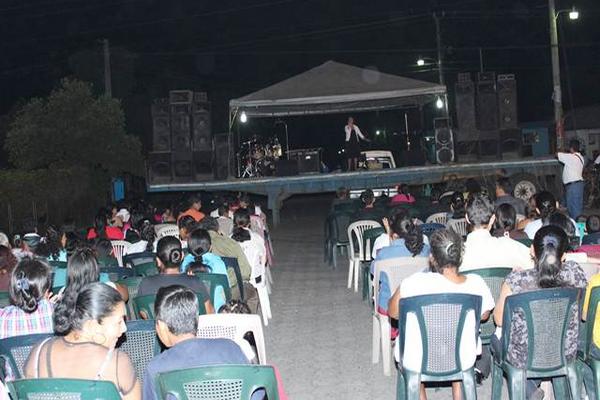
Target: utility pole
440, 57
107, 77
557, 93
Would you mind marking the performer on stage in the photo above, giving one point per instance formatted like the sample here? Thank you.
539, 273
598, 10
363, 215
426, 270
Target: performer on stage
353, 137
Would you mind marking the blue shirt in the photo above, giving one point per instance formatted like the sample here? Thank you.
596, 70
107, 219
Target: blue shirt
395, 250
217, 266
190, 353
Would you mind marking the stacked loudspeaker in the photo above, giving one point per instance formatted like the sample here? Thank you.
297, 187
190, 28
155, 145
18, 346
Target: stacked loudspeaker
182, 139
486, 114
444, 141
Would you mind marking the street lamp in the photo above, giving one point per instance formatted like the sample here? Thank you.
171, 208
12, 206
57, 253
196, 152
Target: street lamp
557, 92
243, 117
439, 103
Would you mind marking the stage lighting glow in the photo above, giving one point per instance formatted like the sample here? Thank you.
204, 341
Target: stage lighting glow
439, 103
420, 62
574, 14
378, 132
243, 117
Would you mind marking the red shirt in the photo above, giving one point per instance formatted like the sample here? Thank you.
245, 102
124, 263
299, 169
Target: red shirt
112, 233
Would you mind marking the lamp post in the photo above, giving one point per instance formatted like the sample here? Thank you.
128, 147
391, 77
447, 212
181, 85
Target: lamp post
557, 92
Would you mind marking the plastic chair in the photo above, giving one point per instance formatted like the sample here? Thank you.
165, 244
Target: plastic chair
429, 228
369, 237
459, 226
395, 269
592, 238
119, 248
218, 382
494, 278
141, 343
355, 230
587, 358
117, 273
63, 389
130, 260
14, 352
441, 320
437, 218
145, 305
132, 284
146, 269
213, 282
4, 299
57, 264
336, 238
234, 327
547, 313
232, 264
167, 230
526, 242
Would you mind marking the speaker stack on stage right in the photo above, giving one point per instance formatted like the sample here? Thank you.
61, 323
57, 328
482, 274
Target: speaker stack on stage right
486, 113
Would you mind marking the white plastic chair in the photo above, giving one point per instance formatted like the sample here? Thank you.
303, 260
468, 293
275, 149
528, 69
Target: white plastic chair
396, 270
259, 273
233, 327
459, 226
356, 230
437, 218
120, 247
167, 230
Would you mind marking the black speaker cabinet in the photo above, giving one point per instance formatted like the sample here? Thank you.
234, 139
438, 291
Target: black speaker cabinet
180, 127
465, 109
507, 101
487, 102
309, 160
201, 127
286, 167
203, 166
183, 168
223, 156
161, 125
444, 141
159, 167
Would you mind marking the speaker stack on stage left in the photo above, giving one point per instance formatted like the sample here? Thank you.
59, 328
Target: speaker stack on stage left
182, 139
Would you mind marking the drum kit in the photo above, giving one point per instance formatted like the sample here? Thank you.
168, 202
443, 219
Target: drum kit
257, 157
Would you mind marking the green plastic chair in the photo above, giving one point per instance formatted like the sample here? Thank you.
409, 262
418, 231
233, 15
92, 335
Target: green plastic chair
141, 343
117, 273
232, 264
63, 389
4, 299
547, 313
586, 357
58, 264
336, 238
146, 269
526, 242
214, 281
132, 284
218, 382
441, 319
145, 304
14, 352
369, 237
494, 278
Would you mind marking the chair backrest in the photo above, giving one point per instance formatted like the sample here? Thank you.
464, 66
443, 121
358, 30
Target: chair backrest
141, 343
117, 273
592, 238
459, 226
119, 248
546, 314
441, 320
493, 277
355, 235
63, 389
369, 237
145, 304
231, 263
227, 382
213, 282
168, 230
15, 350
4, 299
146, 269
57, 264
429, 228
590, 319
437, 218
525, 241
132, 284
339, 221
130, 260
396, 269
234, 327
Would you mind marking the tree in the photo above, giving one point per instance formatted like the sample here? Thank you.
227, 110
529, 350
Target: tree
73, 129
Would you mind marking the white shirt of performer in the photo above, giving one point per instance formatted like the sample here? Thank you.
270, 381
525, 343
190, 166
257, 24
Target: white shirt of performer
354, 128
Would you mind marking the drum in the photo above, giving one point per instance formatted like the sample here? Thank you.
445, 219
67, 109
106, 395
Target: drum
258, 152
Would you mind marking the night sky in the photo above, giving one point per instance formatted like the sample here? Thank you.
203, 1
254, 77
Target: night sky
233, 47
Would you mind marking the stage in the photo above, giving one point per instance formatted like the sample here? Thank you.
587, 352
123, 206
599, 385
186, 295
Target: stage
278, 189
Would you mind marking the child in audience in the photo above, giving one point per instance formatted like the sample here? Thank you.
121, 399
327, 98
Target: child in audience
248, 344
87, 327
457, 206
403, 196
506, 221
545, 205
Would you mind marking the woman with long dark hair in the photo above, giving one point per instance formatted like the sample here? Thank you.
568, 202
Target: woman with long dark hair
545, 206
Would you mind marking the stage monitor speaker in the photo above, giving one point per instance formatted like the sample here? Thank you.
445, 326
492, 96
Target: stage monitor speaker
203, 165
181, 97
161, 125
487, 102
223, 156
507, 101
286, 167
159, 167
309, 160
201, 127
465, 110
183, 168
444, 141
180, 127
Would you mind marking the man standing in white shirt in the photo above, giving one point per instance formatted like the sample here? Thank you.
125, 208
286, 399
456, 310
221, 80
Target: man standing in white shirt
353, 137
572, 178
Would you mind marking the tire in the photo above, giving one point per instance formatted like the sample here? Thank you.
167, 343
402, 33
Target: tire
525, 186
